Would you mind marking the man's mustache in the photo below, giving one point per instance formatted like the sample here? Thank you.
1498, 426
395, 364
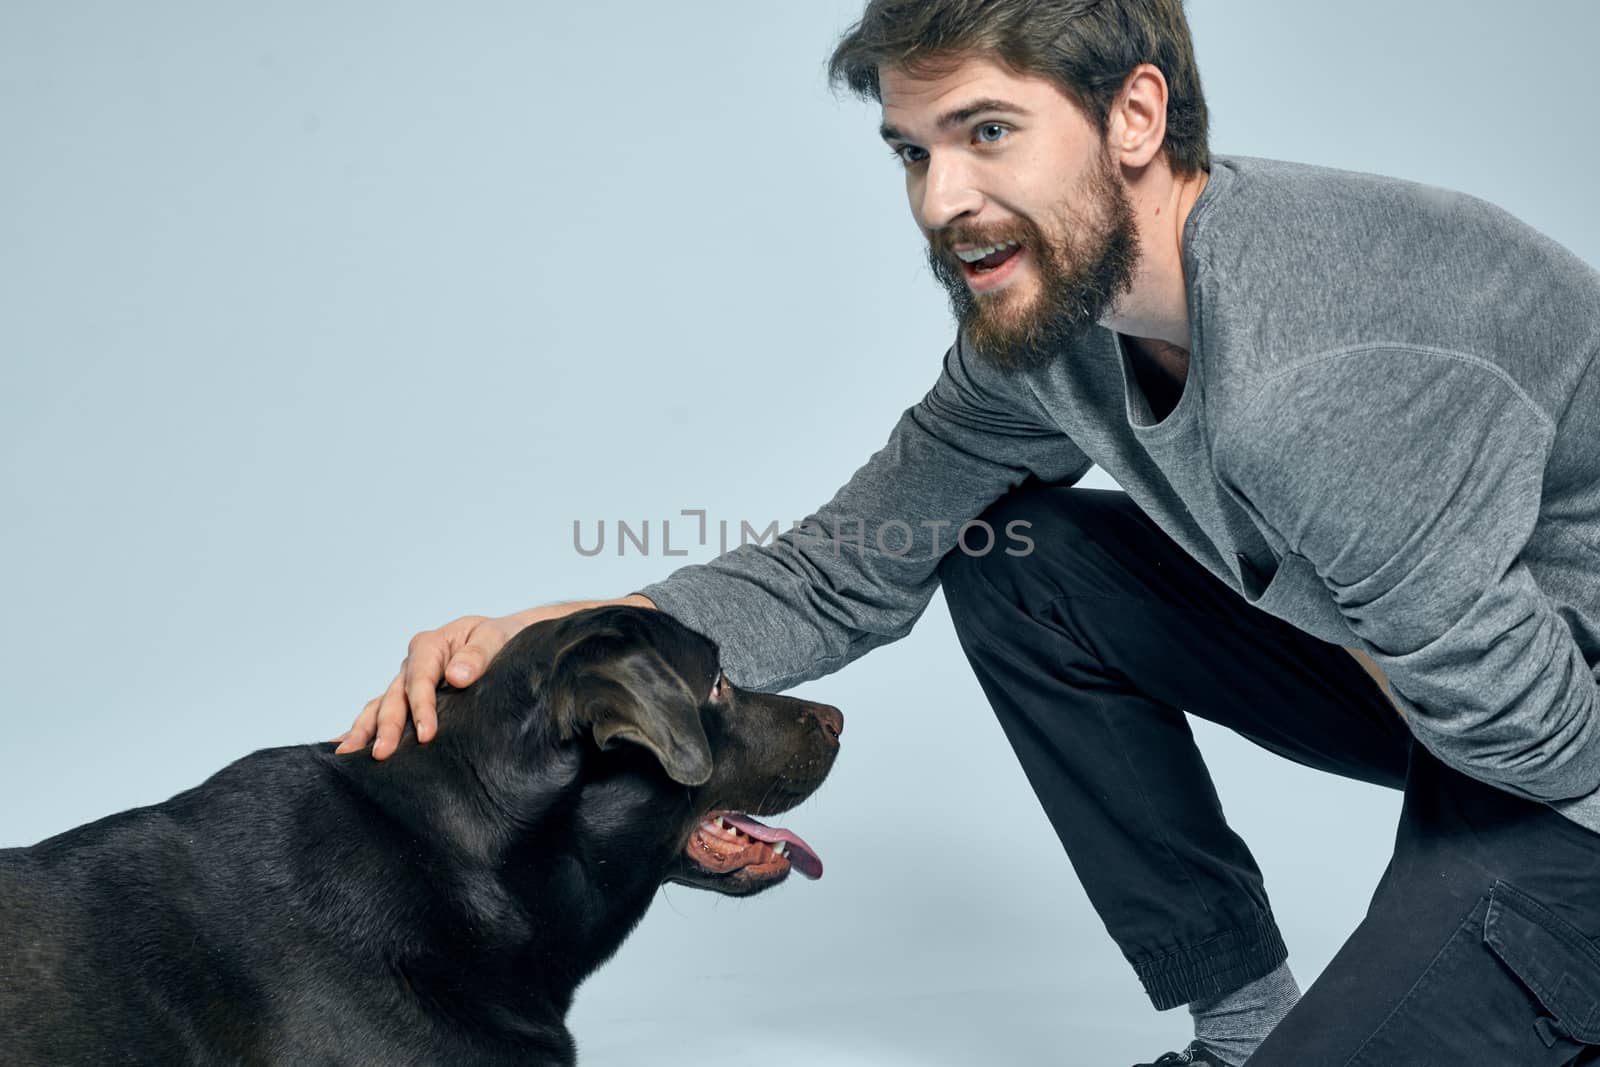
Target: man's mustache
942, 243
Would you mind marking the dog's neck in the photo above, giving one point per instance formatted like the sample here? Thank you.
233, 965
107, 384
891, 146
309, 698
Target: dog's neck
461, 804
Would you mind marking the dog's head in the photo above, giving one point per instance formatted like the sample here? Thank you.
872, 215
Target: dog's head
663, 763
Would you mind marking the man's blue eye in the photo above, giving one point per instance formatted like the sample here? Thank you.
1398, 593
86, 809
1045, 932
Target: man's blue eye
991, 132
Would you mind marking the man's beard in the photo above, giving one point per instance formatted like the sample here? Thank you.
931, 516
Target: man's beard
1081, 275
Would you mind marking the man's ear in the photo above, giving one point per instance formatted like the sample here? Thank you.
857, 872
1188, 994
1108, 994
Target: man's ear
1137, 125
636, 698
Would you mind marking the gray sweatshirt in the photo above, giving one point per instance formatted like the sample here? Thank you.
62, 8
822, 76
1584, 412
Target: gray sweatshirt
1387, 438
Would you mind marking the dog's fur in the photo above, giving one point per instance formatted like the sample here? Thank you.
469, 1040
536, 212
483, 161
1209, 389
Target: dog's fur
439, 907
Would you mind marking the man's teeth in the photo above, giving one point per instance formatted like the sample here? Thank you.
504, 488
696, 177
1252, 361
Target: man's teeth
978, 253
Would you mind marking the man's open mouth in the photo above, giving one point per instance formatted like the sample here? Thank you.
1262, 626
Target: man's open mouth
991, 257
729, 841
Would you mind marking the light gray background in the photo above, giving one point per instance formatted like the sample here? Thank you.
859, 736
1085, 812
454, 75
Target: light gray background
320, 324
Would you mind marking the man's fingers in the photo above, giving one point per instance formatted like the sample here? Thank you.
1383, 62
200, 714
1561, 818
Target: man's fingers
424, 705
390, 718
360, 732
413, 691
424, 670
467, 665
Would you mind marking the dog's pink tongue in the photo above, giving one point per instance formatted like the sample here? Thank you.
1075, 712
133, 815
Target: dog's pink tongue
805, 860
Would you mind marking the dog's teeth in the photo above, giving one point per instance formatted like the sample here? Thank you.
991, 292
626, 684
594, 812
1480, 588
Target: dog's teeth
782, 848
721, 825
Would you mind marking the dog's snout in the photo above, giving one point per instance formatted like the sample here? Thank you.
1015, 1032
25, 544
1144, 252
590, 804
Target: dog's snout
832, 718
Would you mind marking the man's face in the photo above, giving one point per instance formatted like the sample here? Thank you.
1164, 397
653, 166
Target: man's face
995, 158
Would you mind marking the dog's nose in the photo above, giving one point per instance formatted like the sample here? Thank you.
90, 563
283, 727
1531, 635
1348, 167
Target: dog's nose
832, 718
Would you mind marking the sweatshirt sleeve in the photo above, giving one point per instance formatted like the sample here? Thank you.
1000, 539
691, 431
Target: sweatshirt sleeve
1410, 479
859, 571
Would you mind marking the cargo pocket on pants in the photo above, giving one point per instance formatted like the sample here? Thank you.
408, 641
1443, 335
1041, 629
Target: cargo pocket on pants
1513, 986
1558, 964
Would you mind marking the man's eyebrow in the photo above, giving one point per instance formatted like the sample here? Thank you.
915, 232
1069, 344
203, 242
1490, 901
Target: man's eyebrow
960, 116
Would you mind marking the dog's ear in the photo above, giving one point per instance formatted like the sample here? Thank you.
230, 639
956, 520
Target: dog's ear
635, 697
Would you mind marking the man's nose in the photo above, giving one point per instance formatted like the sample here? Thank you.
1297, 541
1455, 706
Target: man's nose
948, 194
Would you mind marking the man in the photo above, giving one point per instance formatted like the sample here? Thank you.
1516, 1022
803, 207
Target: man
1348, 413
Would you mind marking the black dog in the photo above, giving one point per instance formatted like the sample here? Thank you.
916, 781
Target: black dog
440, 907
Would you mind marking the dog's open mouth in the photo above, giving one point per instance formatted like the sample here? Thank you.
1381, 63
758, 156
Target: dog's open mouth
727, 841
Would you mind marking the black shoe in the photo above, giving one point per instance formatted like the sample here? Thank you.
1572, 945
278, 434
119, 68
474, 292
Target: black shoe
1194, 1053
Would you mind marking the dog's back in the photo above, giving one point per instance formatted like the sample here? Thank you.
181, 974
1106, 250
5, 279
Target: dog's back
233, 923
255, 919
106, 927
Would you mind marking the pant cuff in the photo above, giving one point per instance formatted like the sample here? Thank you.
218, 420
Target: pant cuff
1214, 966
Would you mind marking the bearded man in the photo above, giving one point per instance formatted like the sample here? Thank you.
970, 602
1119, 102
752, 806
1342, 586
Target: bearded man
1353, 420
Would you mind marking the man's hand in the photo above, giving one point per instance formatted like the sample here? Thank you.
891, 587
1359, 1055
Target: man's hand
457, 653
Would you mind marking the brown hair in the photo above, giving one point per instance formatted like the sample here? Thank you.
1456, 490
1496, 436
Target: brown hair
1087, 47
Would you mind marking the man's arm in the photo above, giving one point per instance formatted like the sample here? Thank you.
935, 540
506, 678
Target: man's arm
860, 570
1411, 480
806, 604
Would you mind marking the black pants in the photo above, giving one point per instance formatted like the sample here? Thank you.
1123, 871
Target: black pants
1476, 947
